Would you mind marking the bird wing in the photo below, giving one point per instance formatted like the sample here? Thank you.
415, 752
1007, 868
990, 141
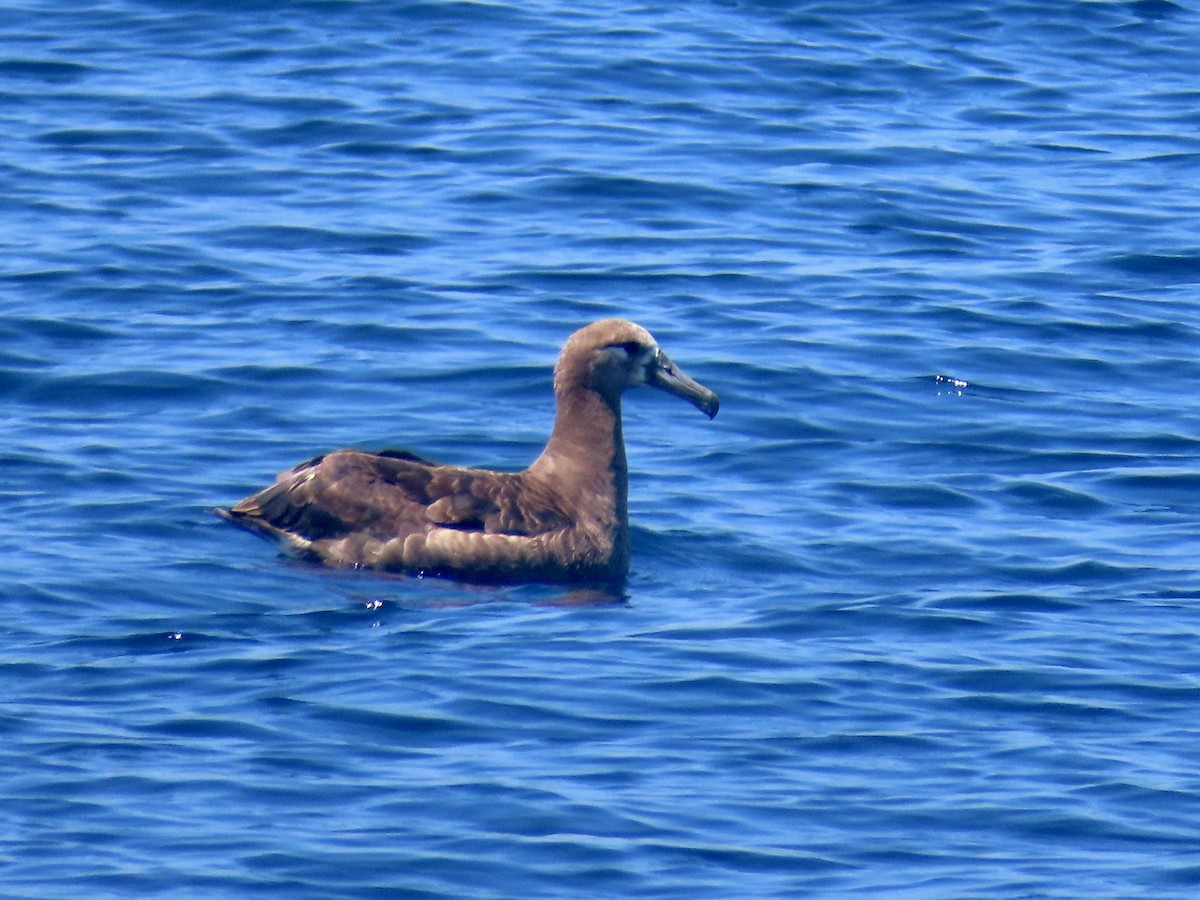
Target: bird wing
393, 494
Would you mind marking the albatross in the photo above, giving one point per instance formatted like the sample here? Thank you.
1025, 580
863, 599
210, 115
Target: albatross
563, 519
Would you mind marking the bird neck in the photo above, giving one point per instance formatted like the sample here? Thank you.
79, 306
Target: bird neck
586, 450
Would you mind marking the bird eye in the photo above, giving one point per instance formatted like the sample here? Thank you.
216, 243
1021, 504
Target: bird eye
633, 348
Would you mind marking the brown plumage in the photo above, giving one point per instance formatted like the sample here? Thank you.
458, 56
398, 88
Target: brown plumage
563, 519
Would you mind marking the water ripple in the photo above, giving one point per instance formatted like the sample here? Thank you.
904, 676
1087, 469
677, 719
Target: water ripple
877, 619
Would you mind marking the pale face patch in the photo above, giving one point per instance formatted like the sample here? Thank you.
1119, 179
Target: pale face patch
632, 360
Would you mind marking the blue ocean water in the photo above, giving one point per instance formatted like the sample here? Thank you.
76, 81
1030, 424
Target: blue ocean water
915, 616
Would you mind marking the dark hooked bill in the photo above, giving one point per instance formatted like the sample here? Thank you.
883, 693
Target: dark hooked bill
672, 379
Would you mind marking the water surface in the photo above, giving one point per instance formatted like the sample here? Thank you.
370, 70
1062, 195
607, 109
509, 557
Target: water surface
885, 634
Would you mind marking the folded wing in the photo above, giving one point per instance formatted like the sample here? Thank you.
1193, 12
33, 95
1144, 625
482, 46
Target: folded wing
387, 508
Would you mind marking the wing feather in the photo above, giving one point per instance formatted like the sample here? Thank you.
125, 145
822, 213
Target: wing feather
392, 495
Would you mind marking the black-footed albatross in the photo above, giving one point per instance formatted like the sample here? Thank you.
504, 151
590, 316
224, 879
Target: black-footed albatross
563, 519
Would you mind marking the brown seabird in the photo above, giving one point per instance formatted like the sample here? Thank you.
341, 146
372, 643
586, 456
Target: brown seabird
563, 519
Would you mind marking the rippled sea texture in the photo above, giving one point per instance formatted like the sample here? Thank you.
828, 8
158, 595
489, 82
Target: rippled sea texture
886, 633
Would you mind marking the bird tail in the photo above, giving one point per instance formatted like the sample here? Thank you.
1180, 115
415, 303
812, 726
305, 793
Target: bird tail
247, 521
